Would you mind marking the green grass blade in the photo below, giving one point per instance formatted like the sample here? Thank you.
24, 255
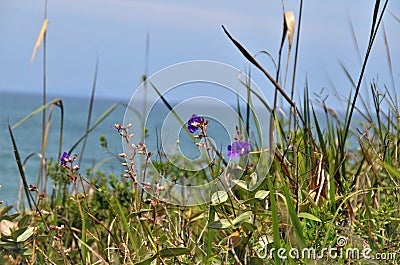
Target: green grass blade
251, 59
293, 217
321, 139
374, 30
297, 48
389, 60
274, 210
395, 17
391, 169
348, 75
97, 255
20, 168
37, 111
210, 232
124, 222
374, 17
83, 237
354, 37
89, 117
60, 104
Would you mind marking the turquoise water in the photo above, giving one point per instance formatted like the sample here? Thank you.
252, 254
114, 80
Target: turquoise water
14, 107
163, 129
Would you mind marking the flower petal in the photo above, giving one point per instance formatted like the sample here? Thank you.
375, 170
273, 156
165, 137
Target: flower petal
194, 123
64, 158
238, 149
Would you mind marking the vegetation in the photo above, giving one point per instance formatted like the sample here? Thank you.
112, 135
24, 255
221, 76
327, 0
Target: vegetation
332, 188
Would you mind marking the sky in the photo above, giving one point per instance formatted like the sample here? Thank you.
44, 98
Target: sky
114, 32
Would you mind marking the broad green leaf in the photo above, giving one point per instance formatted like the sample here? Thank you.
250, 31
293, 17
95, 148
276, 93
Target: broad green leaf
242, 184
246, 216
26, 235
219, 197
250, 227
27, 252
220, 224
173, 252
17, 232
253, 181
261, 194
25, 221
309, 216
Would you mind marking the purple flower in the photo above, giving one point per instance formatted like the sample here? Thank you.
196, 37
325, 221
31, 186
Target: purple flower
64, 159
194, 123
238, 149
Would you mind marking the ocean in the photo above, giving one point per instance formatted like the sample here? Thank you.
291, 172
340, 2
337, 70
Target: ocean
161, 124
16, 106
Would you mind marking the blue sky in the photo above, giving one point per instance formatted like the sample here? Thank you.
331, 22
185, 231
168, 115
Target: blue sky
115, 32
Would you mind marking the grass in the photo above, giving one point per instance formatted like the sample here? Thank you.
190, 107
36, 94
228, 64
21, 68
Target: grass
331, 185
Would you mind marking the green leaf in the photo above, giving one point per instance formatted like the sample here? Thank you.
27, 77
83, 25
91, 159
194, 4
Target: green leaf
246, 216
146, 261
173, 252
309, 216
253, 181
27, 252
26, 235
4, 210
196, 216
241, 183
261, 194
15, 234
391, 169
220, 224
219, 197
25, 221
10, 245
250, 227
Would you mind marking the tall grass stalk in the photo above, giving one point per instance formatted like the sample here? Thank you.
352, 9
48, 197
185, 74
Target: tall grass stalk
44, 98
